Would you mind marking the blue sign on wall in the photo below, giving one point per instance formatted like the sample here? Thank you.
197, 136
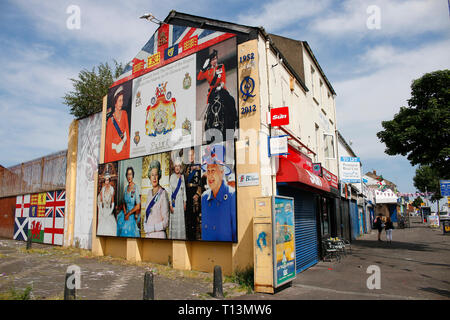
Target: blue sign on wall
445, 188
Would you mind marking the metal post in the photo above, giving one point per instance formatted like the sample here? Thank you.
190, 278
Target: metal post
149, 291
28, 243
217, 285
69, 289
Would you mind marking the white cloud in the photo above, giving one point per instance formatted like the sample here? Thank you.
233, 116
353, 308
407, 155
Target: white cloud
364, 101
277, 15
397, 18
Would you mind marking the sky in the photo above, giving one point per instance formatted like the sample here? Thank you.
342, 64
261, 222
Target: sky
370, 50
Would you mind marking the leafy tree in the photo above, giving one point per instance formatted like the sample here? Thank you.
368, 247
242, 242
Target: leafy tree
90, 88
422, 130
427, 180
417, 202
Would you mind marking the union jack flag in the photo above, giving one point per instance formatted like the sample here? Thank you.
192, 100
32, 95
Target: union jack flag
184, 40
55, 204
54, 213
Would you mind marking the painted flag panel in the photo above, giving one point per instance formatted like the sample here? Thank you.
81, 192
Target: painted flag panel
21, 228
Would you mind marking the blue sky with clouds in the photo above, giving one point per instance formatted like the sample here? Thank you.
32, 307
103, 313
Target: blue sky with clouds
370, 69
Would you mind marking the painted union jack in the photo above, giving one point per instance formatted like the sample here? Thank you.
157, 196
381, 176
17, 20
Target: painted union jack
54, 212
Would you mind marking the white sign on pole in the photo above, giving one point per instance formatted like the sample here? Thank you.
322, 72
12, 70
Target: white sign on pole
278, 145
350, 169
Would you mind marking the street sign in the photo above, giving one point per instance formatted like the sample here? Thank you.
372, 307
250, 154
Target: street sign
445, 187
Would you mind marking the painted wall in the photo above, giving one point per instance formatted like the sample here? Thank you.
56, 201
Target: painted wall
7, 216
89, 134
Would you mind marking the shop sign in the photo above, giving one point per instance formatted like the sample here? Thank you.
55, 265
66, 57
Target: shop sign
279, 116
331, 178
248, 179
350, 169
445, 187
278, 145
317, 169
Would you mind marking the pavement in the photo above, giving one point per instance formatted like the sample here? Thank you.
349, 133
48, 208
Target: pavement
415, 266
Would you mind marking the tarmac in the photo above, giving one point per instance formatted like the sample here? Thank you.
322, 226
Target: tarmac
415, 266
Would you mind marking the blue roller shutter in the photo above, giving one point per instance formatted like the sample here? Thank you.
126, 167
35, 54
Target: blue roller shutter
354, 221
306, 244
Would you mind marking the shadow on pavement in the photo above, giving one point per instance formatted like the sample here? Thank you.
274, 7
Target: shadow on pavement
394, 245
440, 292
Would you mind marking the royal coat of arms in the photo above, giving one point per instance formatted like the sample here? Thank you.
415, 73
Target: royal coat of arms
161, 113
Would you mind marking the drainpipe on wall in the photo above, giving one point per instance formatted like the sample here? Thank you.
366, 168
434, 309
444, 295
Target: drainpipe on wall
272, 159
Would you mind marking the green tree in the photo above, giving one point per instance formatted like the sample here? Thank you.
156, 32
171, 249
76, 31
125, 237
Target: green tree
90, 88
427, 180
417, 202
422, 130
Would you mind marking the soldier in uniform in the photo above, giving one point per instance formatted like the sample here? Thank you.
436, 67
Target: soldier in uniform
194, 189
221, 107
219, 201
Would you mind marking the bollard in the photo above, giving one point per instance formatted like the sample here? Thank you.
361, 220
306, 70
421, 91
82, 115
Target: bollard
149, 291
69, 288
217, 285
28, 243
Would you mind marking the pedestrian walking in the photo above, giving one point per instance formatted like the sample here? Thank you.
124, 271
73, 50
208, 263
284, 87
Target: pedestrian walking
389, 227
379, 225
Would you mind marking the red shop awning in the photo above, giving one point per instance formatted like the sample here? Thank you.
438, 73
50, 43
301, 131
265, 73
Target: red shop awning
289, 171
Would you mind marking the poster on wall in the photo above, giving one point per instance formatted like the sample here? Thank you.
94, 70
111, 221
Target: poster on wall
106, 199
163, 117
183, 194
118, 117
216, 92
284, 244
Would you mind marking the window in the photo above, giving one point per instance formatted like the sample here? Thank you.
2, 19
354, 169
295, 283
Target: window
320, 93
328, 142
312, 81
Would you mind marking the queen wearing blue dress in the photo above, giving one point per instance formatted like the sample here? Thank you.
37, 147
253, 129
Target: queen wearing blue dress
129, 217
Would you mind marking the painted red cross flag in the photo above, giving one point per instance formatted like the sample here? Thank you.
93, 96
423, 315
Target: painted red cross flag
22, 206
279, 116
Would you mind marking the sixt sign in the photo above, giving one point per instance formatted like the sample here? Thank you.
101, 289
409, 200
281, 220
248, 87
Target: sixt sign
279, 116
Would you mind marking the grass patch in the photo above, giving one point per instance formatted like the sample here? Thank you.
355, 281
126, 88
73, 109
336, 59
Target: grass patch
13, 294
243, 277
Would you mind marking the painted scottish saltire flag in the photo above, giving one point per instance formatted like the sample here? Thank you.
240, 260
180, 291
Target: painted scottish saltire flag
54, 217
170, 43
21, 228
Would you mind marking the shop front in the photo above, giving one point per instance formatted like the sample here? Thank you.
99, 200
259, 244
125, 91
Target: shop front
296, 179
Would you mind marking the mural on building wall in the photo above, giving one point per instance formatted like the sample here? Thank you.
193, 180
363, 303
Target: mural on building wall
40, 216
89, 136
174, 175
179, 194
106, 199
118, 117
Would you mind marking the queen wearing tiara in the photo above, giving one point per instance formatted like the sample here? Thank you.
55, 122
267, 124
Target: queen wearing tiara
106, 225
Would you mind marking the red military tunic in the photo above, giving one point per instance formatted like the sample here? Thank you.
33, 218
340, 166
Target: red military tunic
112, 136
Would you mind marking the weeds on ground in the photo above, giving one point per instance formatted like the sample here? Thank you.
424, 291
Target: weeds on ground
243, 277
13, 294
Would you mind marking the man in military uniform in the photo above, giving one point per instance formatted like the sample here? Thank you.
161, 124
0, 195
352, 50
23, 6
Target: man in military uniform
192, 178
219, 201
221, 107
